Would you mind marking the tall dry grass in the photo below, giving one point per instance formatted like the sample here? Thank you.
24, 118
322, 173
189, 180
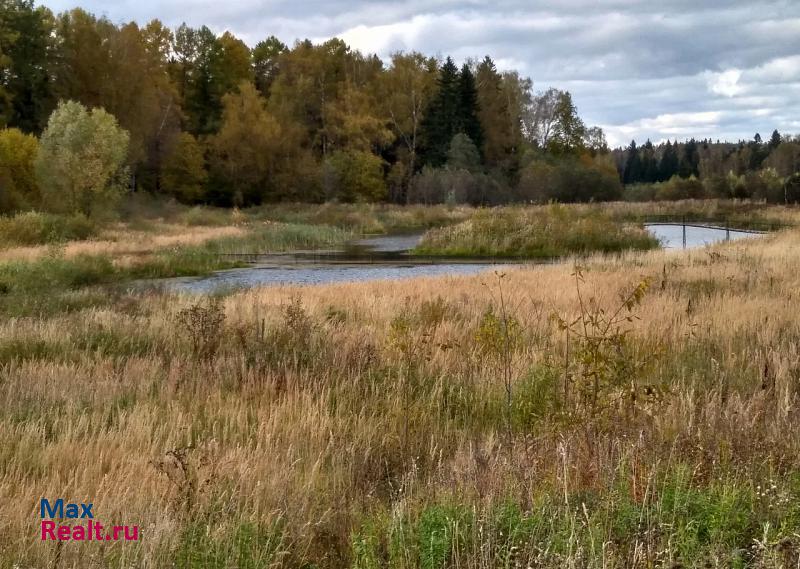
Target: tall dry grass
425, 423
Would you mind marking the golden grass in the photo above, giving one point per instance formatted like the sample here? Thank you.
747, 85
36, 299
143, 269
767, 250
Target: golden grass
122, 241
322, 414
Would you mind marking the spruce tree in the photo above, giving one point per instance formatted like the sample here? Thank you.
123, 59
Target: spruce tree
469, 123
633, 165
690, 160
649, 163
441, 120
668, 166
774, 140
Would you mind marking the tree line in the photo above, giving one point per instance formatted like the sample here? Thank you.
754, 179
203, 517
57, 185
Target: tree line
204, 118
756, 168
90, 110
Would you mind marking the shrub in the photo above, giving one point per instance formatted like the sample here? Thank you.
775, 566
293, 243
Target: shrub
17, 176
579, 179
33, 228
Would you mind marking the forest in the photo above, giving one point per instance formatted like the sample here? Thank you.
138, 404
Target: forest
92, 110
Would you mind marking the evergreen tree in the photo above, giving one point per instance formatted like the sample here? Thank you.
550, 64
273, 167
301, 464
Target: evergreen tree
690, 160
463, 154
668, 167
468, 121
441, 120
649, 164
633, 165
774, 140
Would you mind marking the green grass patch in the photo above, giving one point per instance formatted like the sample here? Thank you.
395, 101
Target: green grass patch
547, 232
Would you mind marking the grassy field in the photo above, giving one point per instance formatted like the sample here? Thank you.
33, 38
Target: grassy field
636, 411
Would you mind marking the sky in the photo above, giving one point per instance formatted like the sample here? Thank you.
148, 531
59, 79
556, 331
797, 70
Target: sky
639, 69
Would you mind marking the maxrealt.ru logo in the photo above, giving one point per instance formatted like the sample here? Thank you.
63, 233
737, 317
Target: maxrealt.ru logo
86, 530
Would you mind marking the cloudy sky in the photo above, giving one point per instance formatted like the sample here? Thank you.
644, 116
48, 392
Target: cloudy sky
659, 69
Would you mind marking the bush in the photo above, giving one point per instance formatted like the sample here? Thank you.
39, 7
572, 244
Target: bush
677, 188
456, 186
17, 176
354, 176
569, 180
33, 228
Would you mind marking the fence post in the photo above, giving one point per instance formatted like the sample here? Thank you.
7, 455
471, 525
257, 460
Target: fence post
684, 232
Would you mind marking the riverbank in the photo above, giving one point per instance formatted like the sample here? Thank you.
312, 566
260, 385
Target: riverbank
425, 423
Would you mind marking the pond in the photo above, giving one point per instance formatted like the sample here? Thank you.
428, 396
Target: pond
679, 236
386, 257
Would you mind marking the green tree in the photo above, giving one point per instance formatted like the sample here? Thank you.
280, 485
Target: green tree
79, 166
441, 120
183, 172
463, 154
774, 140
689, 164
266, 62
26, 80
354, 176
467, 120
18, 189
569, 131
668, 166
649, 164
633, 165
7, 39
205, 69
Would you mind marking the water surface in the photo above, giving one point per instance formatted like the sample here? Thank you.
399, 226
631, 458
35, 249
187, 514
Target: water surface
387, 257
672, 235
384, 257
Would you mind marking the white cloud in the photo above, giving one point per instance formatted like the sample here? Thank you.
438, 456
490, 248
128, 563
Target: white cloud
725, 83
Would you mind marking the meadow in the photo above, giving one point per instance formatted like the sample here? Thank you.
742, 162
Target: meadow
634, 410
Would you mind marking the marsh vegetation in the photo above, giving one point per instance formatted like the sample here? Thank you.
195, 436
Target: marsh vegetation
639, 410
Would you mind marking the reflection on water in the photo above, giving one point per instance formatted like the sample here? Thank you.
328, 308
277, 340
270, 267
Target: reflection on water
673, 237
386, 257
